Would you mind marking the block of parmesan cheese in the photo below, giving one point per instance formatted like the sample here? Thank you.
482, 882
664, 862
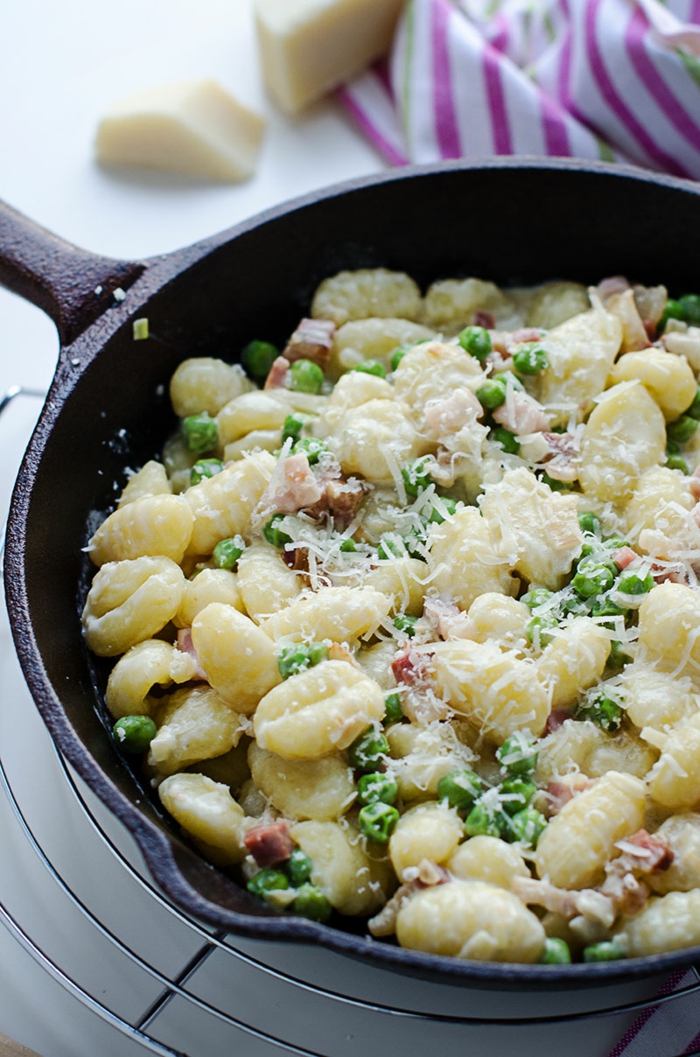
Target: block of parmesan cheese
310, 46
194, 127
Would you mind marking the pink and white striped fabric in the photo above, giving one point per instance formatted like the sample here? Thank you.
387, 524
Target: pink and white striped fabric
610, 79
668, 1029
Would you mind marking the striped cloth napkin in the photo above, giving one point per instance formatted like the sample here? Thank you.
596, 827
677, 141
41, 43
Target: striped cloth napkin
611, 79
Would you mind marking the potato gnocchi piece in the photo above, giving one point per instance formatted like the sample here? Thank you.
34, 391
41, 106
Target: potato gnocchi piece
223, 505
149, 526
203, 383
239, 659
626, 752
682, 835
255, 410
196, 724
666, 923
209, 585
674, 781
656, 699
257, 440
668, 379
427, 831
341, 614
659, 503
471, 919
151, 479
432, 371
669, 628
451, 303
554, 303
376, 439
624, 436
375, 661
534, 528
354, 880
578, 842
465, 562
488, 859
498, 691
366, 292
498, 617
373, 339
321, 790
422, 755
317, 712
178, 462
402, 580
265, 583
574, 660
208, 812
130, 601
144, 666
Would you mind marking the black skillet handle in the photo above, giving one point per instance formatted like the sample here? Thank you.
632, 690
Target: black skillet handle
71, 285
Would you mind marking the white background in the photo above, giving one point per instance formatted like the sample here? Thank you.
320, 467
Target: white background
61, 66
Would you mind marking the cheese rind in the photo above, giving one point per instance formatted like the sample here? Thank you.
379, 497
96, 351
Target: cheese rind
194, 127
308, 47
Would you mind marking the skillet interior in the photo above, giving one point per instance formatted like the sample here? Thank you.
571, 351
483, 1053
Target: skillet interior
510, 221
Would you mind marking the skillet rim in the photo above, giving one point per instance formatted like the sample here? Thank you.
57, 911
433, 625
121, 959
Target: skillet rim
159, 847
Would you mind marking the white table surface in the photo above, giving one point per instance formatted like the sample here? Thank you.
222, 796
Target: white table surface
62, 66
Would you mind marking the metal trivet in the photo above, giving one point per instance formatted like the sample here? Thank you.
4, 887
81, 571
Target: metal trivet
181, 983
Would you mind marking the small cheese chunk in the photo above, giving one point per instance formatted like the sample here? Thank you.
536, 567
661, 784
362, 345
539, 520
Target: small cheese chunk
310, 46
194, 127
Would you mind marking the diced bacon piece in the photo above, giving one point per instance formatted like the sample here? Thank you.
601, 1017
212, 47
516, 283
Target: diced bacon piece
297, 487
588, 903
695, 514
447, 620
269, 843
454, 412
562, 462
624, 557
694, 484
186, 645
344, 498
278, 374
608, 288
556, 718
525, 334
484, 319
312, 340
560, 793
644, 852
521, 414
411, 666
499, 354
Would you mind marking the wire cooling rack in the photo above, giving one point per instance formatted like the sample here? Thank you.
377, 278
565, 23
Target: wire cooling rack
186, 980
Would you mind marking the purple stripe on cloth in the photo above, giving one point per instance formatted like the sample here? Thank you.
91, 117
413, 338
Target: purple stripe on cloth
383, 73
556, 137
618, 107
695, 11
446, 130
392, 155
646, 70
502, 35
693, 1046
500, 126
564, 75
631, 1034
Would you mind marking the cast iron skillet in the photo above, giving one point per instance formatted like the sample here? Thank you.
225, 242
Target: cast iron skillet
509, 220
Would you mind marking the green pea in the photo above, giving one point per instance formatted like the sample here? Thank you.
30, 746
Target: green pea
530, 359
227, 552
293, 425
460, 788
348, 546
368, 751
205, 468
614, 543
311, 903
527, 826
607, 951
390, 547
393, 710
673, 310
318, 651
305, 376
200, 433
591, 580
371, 367
617, 658
517, 755
274, 535
480, 822
134, 733
267, 880
416, 476
374, 787
601, 710
476, 341
293, 659
635, 584
311, 447
406, 624
556, 952
536, 630
677, 462
588, 522
506, 439
690, 303
682, 429
257, 357
537, 596
436, 517
605, 607
377, 821
298, 868
397, 355
572, 605
694, 409
491, 394
516, 794
505, 377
